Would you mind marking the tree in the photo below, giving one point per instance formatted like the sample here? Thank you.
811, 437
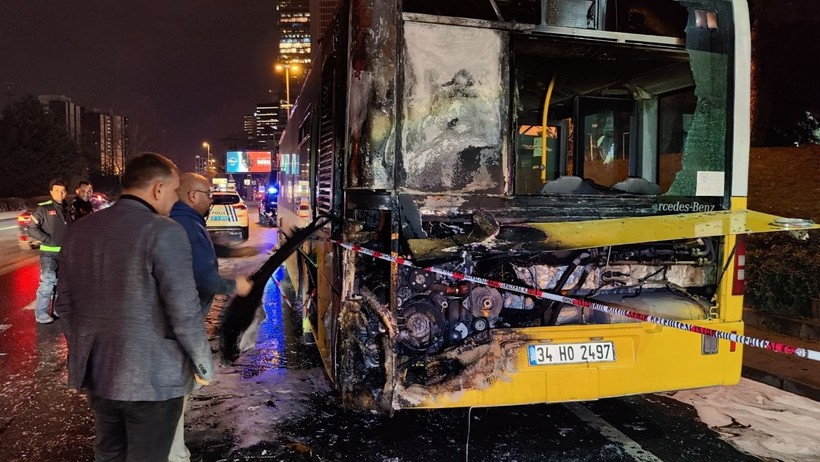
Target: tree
35, 148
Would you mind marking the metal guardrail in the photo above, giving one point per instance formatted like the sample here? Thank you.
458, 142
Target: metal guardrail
9, 215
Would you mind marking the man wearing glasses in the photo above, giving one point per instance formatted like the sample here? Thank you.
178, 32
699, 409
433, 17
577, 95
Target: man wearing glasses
194, 202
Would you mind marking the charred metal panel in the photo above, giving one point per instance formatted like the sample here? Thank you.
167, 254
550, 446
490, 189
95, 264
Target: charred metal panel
613, 276
372, 94
476, 364
573, 235
454, 109
519, 209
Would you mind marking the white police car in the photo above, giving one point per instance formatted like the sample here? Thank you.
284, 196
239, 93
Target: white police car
228, 216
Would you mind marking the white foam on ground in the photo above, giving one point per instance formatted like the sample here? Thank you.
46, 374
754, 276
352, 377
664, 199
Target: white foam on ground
760, 420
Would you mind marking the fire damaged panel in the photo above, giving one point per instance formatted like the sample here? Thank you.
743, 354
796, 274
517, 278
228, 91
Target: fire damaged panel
454, 109
372, 100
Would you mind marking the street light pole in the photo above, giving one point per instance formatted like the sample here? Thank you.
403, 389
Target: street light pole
287, 68
287, 90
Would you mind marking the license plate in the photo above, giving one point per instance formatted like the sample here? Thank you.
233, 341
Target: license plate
571, 353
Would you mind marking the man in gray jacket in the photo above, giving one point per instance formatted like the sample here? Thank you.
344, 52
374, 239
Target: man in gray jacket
136, 341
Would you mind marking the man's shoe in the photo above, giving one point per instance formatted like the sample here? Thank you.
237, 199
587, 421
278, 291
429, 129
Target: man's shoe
45, 320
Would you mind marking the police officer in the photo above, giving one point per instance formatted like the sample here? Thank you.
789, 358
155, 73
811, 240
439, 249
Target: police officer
81, 205
49, 224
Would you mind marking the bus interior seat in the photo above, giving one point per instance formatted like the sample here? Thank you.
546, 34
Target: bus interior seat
636, 185
569, 185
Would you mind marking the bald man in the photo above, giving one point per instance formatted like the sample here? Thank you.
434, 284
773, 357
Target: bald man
195, 199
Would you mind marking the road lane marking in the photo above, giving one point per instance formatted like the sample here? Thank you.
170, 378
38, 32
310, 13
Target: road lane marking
4, 327
7, 228
30, 306
611, 433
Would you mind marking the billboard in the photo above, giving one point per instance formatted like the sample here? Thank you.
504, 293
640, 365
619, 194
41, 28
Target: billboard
248, 162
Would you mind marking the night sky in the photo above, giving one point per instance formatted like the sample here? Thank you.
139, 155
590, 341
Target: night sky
186, 71
183, 71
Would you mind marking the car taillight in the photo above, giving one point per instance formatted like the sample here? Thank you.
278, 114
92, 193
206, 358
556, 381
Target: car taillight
239, 206
739, 277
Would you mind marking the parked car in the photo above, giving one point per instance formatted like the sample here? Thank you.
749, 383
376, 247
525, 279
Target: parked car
24, 241
228, 215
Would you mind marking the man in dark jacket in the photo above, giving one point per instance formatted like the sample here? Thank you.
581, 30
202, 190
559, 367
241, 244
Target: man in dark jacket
81, 205
129, 307
190, 211
48, 225
195, 199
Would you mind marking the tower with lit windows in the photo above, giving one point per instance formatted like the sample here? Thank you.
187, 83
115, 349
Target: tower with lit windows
267, 125
294, 32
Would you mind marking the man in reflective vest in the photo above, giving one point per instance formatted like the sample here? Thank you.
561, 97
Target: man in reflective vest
48, 225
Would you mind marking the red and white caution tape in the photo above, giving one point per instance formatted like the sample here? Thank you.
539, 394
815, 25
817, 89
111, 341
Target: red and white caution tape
732, 337
282, 292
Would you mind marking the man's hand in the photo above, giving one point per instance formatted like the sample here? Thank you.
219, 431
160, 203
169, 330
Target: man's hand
200, 380
243, 286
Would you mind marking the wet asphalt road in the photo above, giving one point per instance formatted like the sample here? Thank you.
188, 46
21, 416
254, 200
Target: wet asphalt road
275, 403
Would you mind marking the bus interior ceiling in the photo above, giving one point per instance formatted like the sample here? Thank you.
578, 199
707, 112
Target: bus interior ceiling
652, 17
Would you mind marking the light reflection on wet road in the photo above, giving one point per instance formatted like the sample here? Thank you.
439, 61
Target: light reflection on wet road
270, 344
40, 419
20, 337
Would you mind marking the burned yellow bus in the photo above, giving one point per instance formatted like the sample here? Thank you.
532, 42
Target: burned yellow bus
589, 148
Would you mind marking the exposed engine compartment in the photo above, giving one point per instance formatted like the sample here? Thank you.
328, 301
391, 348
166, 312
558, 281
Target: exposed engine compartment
441, 327
435, 312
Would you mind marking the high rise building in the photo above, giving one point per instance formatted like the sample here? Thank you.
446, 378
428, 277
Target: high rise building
268, 125
321, 13
101, 135
249, 127
199, 164
104, 141
294, 31
68, 114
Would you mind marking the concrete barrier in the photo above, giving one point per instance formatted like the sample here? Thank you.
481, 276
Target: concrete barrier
806, 329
